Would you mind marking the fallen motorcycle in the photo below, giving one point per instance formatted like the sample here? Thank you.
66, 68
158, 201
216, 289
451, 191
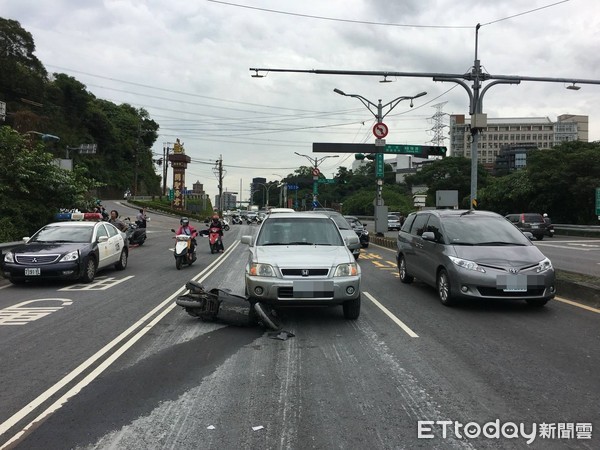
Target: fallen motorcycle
227, 307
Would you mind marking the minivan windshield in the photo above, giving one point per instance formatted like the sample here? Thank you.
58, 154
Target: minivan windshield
481, 230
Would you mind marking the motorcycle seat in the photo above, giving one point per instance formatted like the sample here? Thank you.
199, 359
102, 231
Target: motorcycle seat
195, 287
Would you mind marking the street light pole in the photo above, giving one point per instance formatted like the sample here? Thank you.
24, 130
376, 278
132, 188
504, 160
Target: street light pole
380, 209
476, 75
315, 162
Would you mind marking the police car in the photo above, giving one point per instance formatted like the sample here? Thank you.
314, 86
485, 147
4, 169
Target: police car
73, 249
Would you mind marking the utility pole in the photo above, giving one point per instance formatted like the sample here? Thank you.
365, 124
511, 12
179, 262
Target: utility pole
475, 92
220, 164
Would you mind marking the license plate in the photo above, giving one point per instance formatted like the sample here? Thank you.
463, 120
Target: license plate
512, 283
312, 289
33, 272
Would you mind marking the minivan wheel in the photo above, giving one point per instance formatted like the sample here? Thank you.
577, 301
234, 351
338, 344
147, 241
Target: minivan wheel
404, 276
443, 288
539, 237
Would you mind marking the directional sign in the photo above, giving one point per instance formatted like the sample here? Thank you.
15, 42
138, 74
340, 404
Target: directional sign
404, 149
293, 187
422, 151
379, 165
380, 130
326, 181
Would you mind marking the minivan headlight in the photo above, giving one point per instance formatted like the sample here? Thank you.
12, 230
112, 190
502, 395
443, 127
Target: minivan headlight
544, 265
466, 264
261, 270
346, 270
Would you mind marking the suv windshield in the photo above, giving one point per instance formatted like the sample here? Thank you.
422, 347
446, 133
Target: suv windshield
480, 230
299, 231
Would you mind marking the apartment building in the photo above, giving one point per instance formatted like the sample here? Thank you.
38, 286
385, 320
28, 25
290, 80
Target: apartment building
532, 132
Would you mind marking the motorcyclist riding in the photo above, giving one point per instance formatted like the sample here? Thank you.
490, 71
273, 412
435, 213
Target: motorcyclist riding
215, 222
186, 228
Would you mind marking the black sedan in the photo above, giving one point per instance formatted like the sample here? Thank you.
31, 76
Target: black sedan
66, 250
360, 229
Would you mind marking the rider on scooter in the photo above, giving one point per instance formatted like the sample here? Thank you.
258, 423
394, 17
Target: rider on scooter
215, 222
186, 228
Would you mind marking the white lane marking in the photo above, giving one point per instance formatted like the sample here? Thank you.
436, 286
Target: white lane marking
388, 313
99, 284
20, 314
579, 305
168, 304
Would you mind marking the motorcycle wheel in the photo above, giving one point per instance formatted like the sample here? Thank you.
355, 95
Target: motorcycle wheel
178, 262
226, 227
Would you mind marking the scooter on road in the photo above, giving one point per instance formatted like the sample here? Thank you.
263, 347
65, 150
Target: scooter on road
185, 249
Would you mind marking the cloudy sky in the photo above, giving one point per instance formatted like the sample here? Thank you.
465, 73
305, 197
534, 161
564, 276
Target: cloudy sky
187, 63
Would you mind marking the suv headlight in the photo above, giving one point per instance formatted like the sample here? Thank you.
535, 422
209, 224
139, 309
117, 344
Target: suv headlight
346, 270
261, 270
544, 265
71, 256
466, 264
9, 257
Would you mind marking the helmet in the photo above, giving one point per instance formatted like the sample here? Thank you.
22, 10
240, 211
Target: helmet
545, 215
184, 221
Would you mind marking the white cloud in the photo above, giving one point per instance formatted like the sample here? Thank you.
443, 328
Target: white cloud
203, 50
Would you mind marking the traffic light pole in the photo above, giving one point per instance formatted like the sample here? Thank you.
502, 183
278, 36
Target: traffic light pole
377, 111
315, 174
476, 75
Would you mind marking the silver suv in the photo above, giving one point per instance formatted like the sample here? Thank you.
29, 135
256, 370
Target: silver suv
302, 259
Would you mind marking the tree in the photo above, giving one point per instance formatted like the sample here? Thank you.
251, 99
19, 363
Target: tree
33, 188
452, 173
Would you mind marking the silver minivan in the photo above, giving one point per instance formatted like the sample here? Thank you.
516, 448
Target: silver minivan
473, 254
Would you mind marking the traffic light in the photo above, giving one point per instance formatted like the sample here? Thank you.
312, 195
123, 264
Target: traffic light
435, 151
361, 156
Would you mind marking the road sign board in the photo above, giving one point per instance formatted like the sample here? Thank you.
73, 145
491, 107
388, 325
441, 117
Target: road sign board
293, 187
380, 130
326, 181
423, 151
379, 142
316, 172
379, 165
598, 201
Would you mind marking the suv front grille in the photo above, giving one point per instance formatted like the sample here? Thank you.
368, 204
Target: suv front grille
288, 292
298, 272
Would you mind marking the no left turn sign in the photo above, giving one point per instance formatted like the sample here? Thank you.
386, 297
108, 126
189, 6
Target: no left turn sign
380, 130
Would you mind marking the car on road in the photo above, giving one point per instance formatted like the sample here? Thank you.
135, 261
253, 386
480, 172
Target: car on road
473, 254
302, 259
360, 229
532, 222
344, 226
68, 250
393, 222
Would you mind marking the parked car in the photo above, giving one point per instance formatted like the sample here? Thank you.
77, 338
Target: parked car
302, 259
66, 250
344, 226
473, 254
531, 222
360, 229
393, 222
